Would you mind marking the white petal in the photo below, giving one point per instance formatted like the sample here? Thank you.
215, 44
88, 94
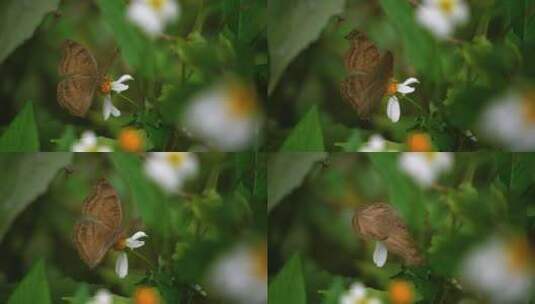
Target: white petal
410, 81
145, 17
380, 254
403, 89
170, 11
461, 12
138, 235
102, 296
89, 138
134, 242
121, 265
433, 19
393, 110
162, 173
108, 108
124, 78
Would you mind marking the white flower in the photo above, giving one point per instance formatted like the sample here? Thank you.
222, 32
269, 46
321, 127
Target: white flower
357, 294
511, 121
170, 169
241, 275
442, 16
121, 265
117, 86
425, 167
153, 15
225, 117
102, 296
380, 253
501, 269
393, 111
89, 143
376, 143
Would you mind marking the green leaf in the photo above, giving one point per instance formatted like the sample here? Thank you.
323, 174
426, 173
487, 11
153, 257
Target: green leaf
33, 289
134, 47
307, 135
293, 26
21, 135
18, 21
289, 285
148, 199
334, 292
24, 177
401, 192
286, 171
420, 48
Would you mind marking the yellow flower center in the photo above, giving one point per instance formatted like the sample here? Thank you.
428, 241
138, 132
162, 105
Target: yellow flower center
400, 292
528, 107
146, 295
130, 140
242, 101
392, 88
260, 262
105, 86
519, 255
446, 6
157, 4
120, 245
176, 159
419, 142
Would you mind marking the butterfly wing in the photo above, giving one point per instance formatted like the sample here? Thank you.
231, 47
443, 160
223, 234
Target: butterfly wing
101, 226
76, 60
75, 94
78, 66
369, 74
93, 240
104, 205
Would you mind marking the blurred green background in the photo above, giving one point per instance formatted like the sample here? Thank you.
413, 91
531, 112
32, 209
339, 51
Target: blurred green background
458, 76
311, 208
42, 195
208, 41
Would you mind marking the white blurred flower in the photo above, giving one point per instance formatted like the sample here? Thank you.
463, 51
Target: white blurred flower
117, 86
102, 296
240, 275
357, 294
170, 169
425, 167
393, 110
442, 16
376, 143
121, 265
152, 15
89, 143
500, 268
510, 120
225, 117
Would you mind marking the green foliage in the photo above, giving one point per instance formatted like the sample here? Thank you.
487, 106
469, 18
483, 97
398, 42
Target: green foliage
33, 288
288, 286
293, 26
21, 135
18, 23
26, 176
307, 135
484, 195
286, 172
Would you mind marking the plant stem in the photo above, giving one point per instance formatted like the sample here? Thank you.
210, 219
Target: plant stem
199, 20
414, 103
143, 258
129, 100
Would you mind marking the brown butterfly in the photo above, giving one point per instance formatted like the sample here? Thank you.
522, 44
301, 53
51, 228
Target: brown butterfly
369, 74
379, 221
100, 228
80, 71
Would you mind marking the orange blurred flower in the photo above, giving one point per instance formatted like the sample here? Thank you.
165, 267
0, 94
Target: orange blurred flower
131, 140
146, 295
400, 292
419, 142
